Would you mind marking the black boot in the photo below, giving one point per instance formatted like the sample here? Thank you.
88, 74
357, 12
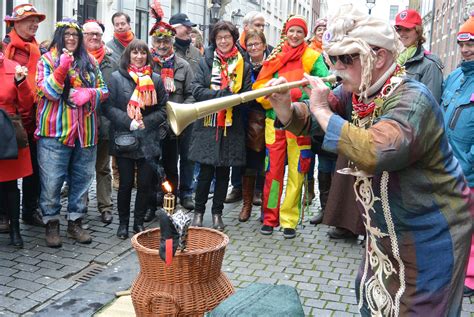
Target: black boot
217, 222
150, 214
324, 184
124, 218
13, 209
197, 219
138, 221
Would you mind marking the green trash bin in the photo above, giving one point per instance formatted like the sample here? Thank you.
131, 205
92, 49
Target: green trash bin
261, 300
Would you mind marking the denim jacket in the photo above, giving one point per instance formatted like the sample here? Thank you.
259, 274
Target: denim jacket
458, 107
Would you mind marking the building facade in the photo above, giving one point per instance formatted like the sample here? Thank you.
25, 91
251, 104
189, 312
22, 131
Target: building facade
441, 22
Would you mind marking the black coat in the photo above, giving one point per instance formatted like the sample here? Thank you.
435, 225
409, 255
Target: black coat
207, 146
121, 87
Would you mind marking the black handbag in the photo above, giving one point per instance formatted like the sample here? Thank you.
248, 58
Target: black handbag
126, 142
8, 143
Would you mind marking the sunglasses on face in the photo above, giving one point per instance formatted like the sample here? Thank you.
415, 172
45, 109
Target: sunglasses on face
346, 59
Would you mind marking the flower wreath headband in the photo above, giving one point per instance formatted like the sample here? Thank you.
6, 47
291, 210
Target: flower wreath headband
69, 24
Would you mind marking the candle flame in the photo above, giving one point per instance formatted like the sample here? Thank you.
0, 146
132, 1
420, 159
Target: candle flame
167, 187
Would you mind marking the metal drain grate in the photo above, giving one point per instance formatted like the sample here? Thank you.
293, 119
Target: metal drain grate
87, 273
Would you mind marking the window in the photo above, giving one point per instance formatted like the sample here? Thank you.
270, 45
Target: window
393, 12
175, 7
141, 20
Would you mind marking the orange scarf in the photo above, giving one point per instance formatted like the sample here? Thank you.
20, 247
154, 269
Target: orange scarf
316, 45
98, 53
124, 38
242, 40
30, 47
144, 93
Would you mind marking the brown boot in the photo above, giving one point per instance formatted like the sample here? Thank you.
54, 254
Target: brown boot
308, 193
75, 231
248, 186
53, 240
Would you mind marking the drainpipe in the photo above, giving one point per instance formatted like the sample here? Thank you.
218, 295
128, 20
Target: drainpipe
204, 23
432, 23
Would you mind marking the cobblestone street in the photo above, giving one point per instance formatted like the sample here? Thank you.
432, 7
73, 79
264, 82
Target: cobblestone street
35, 278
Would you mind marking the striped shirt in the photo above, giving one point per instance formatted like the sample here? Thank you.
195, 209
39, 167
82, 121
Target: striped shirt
56, 119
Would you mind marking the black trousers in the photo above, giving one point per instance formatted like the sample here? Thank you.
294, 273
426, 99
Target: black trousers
126, 168
10, 198
206, 174
31, 184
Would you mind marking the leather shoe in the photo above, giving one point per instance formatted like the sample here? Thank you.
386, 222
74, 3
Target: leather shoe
122, 231
340, 233
217, 222
187, 202
234, 196
149, 215
138, 228
106, 217
197, 219
33, 219
316, 220
257, 199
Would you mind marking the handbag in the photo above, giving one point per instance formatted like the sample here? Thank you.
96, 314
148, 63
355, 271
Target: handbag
20, 132
256, 130
126, 142
8, 143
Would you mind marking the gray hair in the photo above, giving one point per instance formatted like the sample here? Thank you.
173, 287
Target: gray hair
251, 16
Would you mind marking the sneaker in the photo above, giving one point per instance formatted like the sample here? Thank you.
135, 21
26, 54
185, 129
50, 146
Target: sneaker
289, 233
266, 230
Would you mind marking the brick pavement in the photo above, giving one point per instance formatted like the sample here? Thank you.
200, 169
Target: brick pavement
322, 270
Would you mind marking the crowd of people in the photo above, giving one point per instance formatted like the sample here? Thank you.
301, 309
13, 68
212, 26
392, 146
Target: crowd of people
400, 137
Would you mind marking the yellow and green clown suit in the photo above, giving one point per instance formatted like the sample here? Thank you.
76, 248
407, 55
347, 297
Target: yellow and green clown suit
282, 145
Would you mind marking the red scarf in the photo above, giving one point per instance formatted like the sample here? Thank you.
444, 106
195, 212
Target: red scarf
167, 69
124, 38
98, 53
32, 48
363, 110
225, 80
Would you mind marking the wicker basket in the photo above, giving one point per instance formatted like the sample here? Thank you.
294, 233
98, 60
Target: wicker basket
192, 285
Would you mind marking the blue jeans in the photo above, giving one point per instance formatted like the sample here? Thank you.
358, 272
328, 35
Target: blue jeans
56, 161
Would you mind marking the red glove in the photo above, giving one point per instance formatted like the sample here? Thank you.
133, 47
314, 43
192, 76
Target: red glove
81, 96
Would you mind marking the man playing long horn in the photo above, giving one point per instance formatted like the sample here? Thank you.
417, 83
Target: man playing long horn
409, 187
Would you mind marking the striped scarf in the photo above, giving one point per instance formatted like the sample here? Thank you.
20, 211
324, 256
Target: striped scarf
167, 70
144, 93
226, 73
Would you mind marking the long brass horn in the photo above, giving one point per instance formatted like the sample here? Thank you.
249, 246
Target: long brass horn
181, 115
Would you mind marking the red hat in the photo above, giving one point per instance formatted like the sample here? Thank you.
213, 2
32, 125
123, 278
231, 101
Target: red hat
408, 19
296, 20
21, 12
466, 31
162, 29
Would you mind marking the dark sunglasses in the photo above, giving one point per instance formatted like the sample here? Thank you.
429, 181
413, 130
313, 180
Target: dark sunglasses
346, 59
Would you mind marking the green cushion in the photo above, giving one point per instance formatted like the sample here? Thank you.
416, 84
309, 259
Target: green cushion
261, 300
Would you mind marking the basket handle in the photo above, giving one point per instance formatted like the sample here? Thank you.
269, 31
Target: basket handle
157, 300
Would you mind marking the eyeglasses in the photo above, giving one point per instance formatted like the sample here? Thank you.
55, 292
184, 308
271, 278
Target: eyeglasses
256, 45
225, 38
346, 59
92, 34
260, 25
73, 35
21, 10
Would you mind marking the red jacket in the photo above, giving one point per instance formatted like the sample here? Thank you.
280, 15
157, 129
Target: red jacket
15, 99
